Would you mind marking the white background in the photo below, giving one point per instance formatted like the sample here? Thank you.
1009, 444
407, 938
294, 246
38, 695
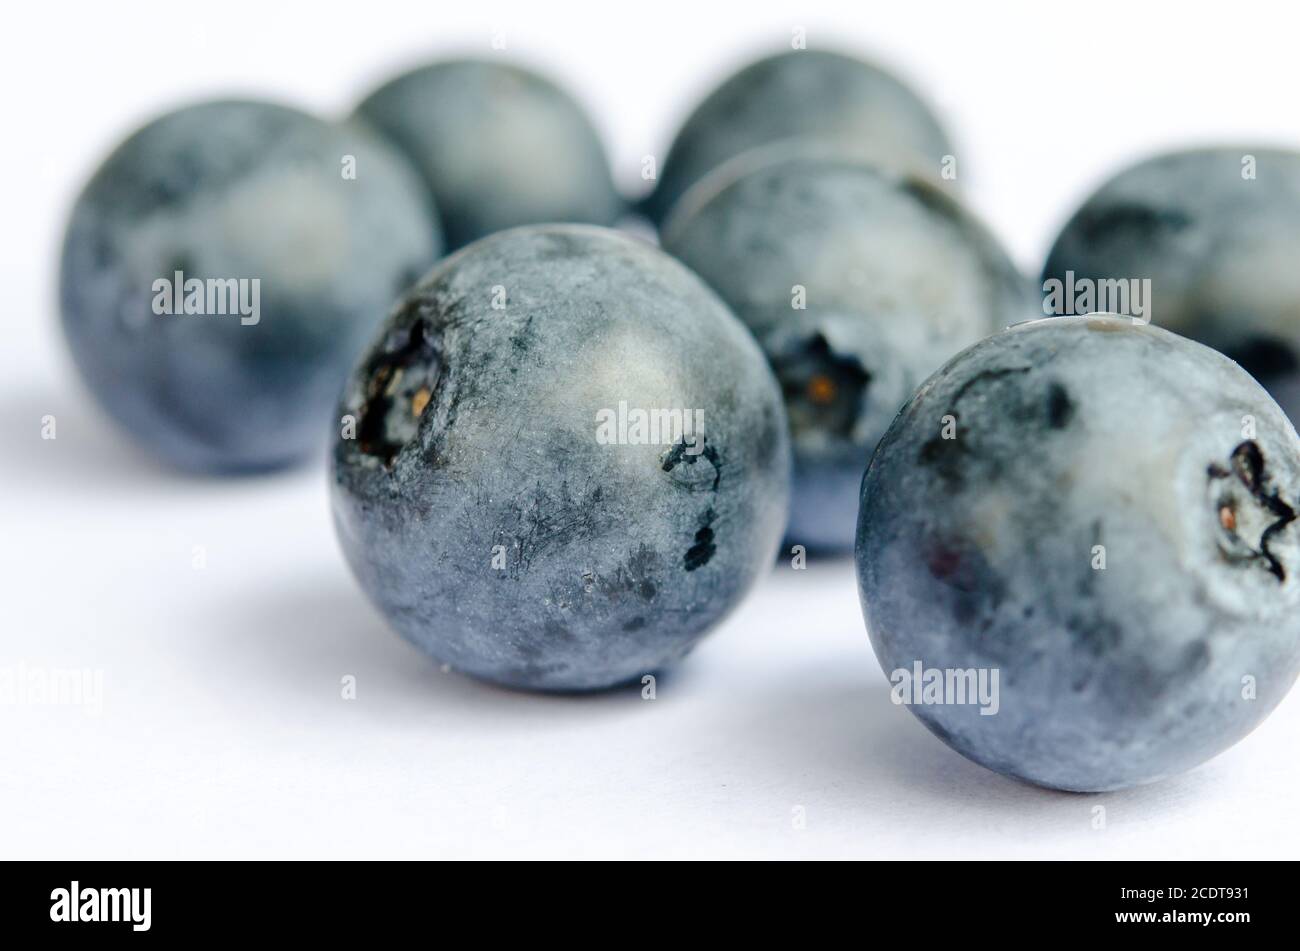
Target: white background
222, 731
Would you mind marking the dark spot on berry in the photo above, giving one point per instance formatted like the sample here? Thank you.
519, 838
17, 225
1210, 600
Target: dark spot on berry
947, 455
678, 455
1141, 221
1060, 408
698, 555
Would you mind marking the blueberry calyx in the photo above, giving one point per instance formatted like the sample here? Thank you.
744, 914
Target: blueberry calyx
1259, 510
403, 378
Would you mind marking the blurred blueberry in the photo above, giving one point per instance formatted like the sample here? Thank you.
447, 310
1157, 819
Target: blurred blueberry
499, 500
805, 95
858, 283
497, 145
1101, 514
223, 268
1217, 233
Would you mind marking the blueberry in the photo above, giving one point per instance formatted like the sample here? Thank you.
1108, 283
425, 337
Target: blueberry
858, 284
1217, 232
497, 145
222, 270
503, 498
801, 94
1101, 513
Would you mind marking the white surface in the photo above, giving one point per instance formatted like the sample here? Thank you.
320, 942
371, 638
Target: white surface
222, 731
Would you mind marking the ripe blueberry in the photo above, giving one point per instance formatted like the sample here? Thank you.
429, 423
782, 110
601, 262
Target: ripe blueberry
805, 95
858, 284
569, 460
1216, 232
223, 268
1102, 516
498, 146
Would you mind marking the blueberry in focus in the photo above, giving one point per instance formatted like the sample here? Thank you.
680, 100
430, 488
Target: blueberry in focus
858, 283
497, 145
801, 95
1217, 233
223, 268
516, 496
1104, 514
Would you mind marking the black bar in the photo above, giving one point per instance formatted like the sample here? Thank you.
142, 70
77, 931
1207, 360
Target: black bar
971, 900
